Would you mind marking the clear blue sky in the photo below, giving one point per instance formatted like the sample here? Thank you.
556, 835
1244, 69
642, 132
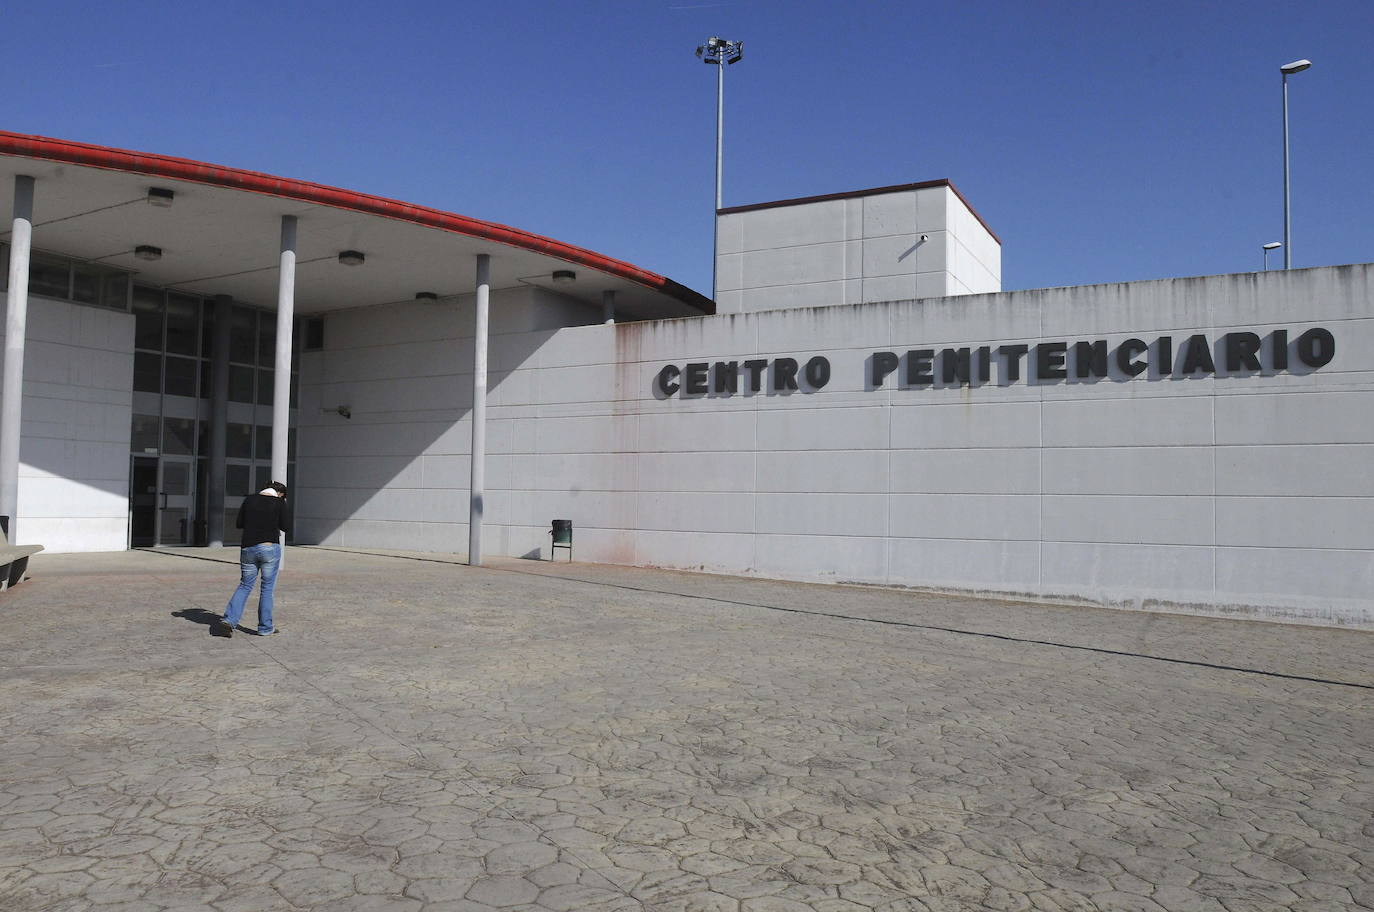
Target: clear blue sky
1102, 141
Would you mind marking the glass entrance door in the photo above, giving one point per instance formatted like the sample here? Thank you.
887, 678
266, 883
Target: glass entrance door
176, 498
143, 502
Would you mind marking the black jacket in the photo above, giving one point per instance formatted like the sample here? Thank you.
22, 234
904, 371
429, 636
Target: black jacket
260, 517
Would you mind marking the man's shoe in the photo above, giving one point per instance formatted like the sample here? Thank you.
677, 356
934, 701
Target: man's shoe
271, 633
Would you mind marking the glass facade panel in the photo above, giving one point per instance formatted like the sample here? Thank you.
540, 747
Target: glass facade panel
183, 324
207, 330
49, 276
85, 284
147, 318
243, 335
178, 436
147, 372
174, 340
144, 435
267, 341
62, 277
181, 376
99, 285
240, 383
236, 481
115, 291
173, 530
240, 442
176, 477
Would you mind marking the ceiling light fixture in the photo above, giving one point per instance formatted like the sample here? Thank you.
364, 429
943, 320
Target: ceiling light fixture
351, 258
160, 197
564, 276
426, 297
148, 252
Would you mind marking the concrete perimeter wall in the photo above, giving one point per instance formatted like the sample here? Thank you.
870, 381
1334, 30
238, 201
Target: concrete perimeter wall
1248, 491
77, 410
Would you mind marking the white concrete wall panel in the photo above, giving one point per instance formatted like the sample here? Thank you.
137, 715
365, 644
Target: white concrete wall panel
1128, 575
77, 411
1331, 470
1215, 494
964, 470
988, 566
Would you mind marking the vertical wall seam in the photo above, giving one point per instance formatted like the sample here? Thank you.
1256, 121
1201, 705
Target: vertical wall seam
1040, 453
887, 501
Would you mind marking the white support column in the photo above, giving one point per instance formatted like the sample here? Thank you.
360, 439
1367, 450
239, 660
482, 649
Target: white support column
608, 307
479, 410
281, 377
16, 318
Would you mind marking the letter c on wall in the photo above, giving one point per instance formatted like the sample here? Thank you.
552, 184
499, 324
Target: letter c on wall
667, 379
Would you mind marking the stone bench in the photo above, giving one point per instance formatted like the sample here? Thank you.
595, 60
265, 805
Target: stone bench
14, 560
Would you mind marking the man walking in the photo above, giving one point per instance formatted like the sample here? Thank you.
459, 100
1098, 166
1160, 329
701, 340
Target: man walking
261, 517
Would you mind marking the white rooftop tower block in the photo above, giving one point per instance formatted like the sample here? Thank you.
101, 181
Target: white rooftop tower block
886, 244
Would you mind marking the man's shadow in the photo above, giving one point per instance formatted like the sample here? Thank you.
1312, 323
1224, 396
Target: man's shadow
201, 616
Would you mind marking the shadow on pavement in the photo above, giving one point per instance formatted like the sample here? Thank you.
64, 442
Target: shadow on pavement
201, 616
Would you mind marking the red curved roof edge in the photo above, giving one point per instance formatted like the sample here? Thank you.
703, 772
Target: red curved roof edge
58, 150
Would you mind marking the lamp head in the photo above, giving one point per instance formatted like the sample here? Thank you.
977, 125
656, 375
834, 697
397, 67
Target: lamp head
1297, 66
1273, 245
719, 51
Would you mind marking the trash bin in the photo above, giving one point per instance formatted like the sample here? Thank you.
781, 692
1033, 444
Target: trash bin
562, 536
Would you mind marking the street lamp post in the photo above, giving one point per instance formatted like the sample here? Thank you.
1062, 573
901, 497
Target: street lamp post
719, 52
1288, 69
1272, 245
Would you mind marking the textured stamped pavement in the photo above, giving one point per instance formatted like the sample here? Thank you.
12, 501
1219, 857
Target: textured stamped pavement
426, 736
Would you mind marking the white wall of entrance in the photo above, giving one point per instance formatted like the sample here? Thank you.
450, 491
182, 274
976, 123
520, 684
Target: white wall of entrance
74, 454
1189, 484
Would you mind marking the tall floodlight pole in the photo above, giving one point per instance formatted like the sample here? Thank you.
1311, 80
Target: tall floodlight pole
719, 52
1288, 69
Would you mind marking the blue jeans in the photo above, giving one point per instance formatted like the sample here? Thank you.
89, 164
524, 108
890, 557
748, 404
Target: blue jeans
263, 559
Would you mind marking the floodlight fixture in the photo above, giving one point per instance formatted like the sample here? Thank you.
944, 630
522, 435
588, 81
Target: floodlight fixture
721, 50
